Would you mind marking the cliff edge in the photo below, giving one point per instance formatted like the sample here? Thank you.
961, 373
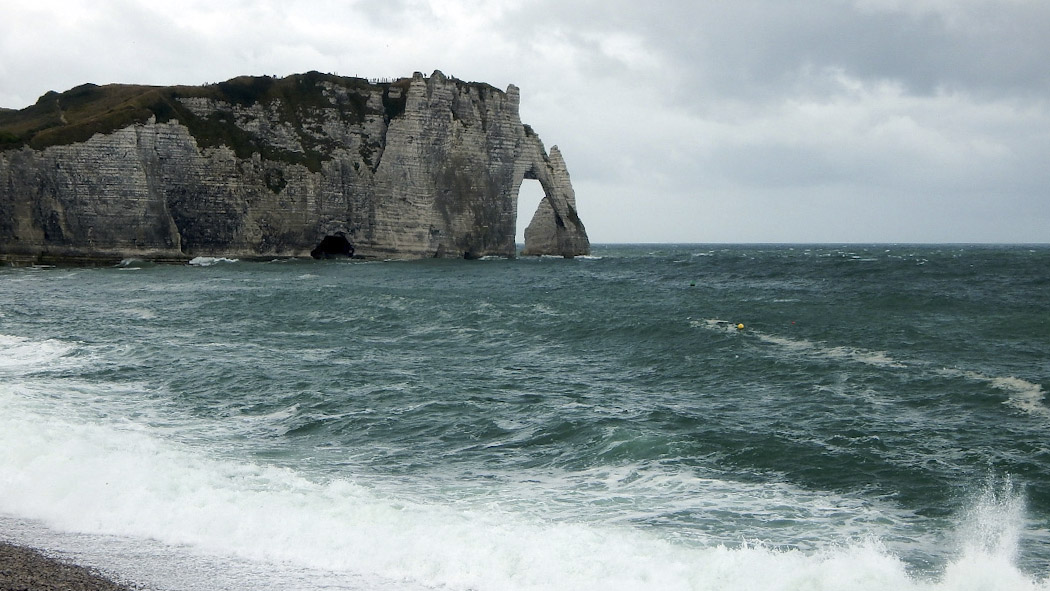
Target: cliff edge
256, 167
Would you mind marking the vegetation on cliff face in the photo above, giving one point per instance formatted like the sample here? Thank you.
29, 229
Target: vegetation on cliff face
75, 115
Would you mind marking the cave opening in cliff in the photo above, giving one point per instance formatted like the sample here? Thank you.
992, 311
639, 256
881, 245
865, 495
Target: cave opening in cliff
333, 247
530, 194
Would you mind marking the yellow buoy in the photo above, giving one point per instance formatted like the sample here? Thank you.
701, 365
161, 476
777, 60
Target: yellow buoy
740, 326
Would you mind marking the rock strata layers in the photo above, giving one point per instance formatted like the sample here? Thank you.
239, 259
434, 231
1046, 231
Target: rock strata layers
265, 167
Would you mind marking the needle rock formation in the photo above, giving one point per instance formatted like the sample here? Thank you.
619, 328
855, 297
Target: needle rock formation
257, 167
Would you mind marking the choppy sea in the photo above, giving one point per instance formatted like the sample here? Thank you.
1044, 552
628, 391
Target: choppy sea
879, 421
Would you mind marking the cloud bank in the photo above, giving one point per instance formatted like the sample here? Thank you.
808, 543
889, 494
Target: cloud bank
750, 121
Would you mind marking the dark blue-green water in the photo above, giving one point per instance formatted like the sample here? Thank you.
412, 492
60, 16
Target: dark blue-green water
879, 422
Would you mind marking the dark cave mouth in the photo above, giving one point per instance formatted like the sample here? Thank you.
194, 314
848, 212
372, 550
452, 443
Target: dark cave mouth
333, 247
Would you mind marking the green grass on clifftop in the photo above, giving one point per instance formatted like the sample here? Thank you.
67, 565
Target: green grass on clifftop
77, 114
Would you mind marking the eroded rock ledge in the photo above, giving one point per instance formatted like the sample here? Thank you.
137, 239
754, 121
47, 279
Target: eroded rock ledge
260, 167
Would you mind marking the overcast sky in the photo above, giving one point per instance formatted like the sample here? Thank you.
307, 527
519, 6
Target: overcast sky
680, 121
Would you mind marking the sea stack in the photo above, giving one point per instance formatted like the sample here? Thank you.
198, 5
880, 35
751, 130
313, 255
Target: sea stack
262, 167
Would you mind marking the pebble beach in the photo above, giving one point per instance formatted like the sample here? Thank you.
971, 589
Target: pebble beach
26, 569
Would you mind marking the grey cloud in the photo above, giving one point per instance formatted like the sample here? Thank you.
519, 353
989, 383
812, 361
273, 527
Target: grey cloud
750, 47
799, 117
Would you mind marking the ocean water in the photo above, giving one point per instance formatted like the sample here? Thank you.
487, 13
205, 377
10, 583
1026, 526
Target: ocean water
880, 422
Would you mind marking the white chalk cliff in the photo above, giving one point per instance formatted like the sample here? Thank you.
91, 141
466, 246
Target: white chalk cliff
264, 167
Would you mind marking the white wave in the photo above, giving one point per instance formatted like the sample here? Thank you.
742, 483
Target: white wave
141, 313
541, 309
134, 264
209, 261
994, 521
715, 324
706, 509
988, 538
1028, 397
19, 354
272, 417
876, 358
806, 347
838, 353
1025, 396
794, 345
121, 479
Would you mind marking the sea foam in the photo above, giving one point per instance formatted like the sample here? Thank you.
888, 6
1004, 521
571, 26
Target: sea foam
1025, 396
812, 349
106, 478
209, 261
20, 354
111, 478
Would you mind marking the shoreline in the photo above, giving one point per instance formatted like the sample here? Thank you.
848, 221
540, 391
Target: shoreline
30, 569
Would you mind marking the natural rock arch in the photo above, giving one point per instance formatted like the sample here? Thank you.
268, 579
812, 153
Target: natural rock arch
415, 168
555, 227
530, 194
